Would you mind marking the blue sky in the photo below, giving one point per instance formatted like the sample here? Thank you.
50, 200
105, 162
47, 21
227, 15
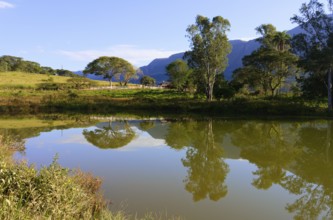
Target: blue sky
70, 33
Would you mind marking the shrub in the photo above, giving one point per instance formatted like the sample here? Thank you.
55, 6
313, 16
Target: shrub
53, 192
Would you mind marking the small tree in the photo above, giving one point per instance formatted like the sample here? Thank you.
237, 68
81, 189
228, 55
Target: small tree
80, 82
179, 73
147, 81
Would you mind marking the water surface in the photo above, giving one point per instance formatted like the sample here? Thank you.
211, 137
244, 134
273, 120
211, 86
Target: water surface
197, 169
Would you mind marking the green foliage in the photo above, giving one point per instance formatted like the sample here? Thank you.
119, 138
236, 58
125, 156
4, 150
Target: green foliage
147, 81
223, 89
50, 193
12, 63
209, 50
313, 86
315, 46
80, 83
61, 72
179, 74
110, 67
268, 67
49, 86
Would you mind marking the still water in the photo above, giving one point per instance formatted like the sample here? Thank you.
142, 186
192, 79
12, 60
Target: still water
196, 169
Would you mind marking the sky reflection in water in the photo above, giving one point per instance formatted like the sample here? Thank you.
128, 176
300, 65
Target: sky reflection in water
214, 169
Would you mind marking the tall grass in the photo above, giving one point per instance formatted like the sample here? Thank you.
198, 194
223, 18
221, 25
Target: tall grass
52, 192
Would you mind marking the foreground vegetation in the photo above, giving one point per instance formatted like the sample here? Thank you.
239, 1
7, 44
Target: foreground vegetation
52, 192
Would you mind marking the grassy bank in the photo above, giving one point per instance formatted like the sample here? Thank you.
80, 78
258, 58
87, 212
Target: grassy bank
50, 193
151, 102
21, 93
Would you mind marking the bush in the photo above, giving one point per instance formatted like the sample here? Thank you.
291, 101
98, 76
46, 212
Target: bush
80, 83
53, 192
48, 86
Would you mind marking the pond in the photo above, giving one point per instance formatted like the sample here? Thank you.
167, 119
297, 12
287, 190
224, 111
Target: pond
196, 169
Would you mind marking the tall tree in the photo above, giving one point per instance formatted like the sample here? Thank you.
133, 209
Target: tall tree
315, 45
209, 49
108, 67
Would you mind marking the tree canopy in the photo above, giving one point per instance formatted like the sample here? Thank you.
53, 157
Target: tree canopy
270, 65
179, 74
147, 81
109, 67
315, 44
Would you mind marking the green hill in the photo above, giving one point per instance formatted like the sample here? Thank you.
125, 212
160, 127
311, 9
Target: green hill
21, 80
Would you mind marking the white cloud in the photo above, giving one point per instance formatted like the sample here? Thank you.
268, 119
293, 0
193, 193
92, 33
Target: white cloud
6, 5
135, 55
247, 38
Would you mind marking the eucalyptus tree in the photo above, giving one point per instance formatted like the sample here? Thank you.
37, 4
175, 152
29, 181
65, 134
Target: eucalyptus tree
270, 65
209, 49
315, 45
109, 67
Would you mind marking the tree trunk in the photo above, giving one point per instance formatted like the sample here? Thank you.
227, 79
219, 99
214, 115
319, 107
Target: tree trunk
329, 89
209, 91
328, 140
272, 92
111, 83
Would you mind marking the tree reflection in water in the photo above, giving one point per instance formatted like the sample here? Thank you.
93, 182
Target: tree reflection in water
207, 169
303, 149
294, 155
298, 156
313, 180
270, 145
10, 142
114, 135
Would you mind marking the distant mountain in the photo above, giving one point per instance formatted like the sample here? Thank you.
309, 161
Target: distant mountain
90, 76
157, 68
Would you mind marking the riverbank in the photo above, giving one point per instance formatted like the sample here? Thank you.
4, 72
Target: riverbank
52, 192
154, 102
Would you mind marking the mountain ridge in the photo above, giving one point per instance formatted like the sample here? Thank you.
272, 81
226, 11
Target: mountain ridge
157, 67
240, 48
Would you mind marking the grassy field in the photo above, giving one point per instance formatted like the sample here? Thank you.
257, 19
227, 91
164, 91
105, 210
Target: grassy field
19, 96
20, 80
